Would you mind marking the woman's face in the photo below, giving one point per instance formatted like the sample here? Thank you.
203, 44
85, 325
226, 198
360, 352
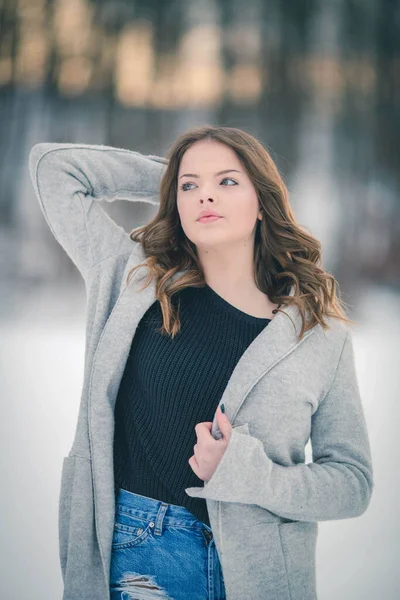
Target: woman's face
231, 194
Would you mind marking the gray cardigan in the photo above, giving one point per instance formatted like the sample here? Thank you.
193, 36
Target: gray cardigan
264, 502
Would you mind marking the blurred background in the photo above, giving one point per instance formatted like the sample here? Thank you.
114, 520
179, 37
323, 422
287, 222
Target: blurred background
318, 83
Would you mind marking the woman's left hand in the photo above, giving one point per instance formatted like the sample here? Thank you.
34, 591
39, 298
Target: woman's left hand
209, 451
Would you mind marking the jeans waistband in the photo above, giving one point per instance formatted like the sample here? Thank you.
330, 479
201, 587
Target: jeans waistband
157, 511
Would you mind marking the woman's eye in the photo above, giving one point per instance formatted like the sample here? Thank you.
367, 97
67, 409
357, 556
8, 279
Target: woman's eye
182, 186
224, 179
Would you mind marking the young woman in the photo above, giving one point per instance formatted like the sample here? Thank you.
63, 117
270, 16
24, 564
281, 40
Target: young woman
164, 494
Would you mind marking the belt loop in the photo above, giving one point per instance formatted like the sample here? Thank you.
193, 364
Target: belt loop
160, 518
208, 535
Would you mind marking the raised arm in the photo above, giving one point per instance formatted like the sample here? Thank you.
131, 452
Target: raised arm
70, 179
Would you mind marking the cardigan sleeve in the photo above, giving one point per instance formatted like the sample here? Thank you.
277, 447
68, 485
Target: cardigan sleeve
69, 181
338, 483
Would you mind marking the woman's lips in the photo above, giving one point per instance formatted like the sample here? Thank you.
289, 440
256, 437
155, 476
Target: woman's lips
209, 219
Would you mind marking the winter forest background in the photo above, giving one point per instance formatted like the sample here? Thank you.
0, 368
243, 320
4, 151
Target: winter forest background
318, 82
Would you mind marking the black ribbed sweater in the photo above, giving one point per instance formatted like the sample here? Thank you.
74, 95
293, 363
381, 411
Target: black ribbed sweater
168, 386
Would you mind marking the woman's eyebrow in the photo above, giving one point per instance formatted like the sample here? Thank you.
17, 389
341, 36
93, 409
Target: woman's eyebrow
219, 173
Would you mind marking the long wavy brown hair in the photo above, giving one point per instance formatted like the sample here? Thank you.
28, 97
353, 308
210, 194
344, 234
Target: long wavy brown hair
285, 254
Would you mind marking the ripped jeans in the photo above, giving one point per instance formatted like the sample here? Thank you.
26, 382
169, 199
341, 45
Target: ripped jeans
161, 551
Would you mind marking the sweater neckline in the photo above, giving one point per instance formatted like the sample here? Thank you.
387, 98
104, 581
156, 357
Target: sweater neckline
225, 306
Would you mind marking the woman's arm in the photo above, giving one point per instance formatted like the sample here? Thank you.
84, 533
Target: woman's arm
70, 179
338, 484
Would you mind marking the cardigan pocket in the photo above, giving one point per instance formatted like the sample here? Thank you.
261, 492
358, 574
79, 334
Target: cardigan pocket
64, 508
298, 545
76, 512
262, 542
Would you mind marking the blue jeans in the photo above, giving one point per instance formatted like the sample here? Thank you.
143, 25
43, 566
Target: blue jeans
161, 551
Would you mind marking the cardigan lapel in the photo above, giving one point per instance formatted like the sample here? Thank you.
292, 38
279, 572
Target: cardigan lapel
106, 373
273, 343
